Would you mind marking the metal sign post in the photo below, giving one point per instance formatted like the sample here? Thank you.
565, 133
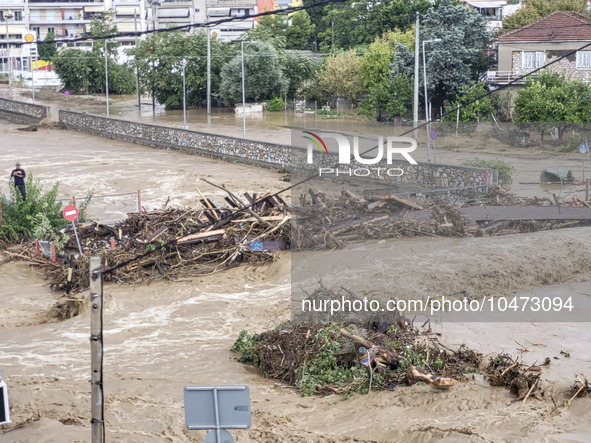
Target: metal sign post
96, 350
4, 409
70, 213
583, 150
217, 408
433, 135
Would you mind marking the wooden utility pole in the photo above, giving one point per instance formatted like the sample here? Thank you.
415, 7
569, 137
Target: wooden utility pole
96, 350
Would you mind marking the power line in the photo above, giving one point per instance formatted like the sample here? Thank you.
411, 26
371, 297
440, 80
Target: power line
188, 27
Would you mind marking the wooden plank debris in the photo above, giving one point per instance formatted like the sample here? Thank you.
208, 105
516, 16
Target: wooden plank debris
201, 236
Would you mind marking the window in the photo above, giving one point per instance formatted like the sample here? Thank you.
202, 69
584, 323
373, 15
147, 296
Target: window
18, 16
37, 31
532, 59
583, 59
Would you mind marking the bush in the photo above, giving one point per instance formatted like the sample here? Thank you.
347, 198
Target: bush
504, 168
39, 216
275, 105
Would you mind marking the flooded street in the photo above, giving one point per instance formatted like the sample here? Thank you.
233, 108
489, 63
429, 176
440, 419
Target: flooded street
163, 336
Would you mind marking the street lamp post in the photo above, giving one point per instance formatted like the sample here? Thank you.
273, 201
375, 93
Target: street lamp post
107, 76
6, 18
415, 107
243, 95
184, 64
427, 117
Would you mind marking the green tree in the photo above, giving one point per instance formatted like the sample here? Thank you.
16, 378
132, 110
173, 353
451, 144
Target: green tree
299, 33
480, 110
550, 100
340, 76
85, 71
350, 24
456, 62
298, 69
47, 48
375, 65
264, 78
75, 69
271, 28
159, 63
388, 99
534, 10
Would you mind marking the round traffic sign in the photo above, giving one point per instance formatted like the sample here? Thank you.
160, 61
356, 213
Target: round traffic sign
433, 135
70, 213
66, 93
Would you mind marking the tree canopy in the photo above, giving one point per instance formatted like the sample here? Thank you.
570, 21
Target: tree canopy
454, 63
47, 49
340, 76
264, 77
84, 71
551, 100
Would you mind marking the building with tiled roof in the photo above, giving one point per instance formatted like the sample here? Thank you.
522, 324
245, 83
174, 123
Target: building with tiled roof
544, 41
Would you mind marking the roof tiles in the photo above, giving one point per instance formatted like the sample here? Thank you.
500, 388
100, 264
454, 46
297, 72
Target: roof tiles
561, 25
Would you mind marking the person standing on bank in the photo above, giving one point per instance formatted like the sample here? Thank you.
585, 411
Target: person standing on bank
19, 180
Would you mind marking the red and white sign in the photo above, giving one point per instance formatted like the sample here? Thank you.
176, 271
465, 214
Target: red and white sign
70, 213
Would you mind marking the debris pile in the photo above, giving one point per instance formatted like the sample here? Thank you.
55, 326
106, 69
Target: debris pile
172, 242
321, 222
523, 381
355, 356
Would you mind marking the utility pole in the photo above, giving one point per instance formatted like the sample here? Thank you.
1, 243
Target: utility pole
415, 108
8, 55
107, 76
208, 64
427, 109
96, 351
243, 95
137, 76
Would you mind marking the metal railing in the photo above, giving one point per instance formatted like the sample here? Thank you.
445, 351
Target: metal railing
502, 77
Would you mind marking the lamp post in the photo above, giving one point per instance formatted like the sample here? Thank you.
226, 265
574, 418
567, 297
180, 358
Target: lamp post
107, 76
427, 117
184, 64
208, 87
243, 95
415, 107
6, 18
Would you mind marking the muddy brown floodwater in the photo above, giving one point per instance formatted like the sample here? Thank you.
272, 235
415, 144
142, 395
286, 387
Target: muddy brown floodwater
161, 337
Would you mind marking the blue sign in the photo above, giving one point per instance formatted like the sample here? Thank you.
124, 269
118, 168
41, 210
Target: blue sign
583, 148
433, 135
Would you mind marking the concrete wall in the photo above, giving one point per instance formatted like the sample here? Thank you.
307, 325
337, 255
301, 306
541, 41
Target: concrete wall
269, 154
19, 112
228, 148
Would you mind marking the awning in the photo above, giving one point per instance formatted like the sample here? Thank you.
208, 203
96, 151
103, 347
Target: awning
218, 12
173, 13
484, 5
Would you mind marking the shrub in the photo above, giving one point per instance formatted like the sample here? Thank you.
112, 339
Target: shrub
39, 216
504, 168
275, 105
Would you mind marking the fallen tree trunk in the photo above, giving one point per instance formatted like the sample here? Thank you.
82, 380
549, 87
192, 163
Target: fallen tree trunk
414, 375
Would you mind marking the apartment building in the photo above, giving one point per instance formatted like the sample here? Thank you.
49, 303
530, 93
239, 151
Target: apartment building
70, 19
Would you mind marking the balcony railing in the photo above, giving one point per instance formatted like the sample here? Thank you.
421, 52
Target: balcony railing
504, 77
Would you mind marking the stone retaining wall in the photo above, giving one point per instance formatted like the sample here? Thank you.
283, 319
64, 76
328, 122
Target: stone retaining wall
20, 112
427, 175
